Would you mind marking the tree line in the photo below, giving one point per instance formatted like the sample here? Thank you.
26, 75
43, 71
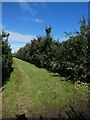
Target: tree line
6, 57
69, 58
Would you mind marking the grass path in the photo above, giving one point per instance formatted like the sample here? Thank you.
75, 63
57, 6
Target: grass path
36, 91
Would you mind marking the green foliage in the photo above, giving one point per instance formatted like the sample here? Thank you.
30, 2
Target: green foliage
68, 58
6, 57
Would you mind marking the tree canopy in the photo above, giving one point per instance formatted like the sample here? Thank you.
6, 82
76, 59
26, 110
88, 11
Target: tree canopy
6, 56
67, 58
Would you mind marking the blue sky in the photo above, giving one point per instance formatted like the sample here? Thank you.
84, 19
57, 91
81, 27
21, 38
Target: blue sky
26, 20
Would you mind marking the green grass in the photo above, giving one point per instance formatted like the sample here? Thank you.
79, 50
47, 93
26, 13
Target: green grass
33, 90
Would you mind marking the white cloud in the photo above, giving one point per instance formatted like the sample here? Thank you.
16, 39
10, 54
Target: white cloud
14, 36
26, 7
27, 19
18, 40
16, 47
37, 20
63, 39
0, 30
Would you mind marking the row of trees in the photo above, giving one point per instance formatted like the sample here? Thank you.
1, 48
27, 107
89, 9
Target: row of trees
67, 58
6, 56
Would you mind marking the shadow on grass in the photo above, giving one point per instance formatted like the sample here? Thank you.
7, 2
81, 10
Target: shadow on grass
71, 115
6, 79
21, 117
74, 115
